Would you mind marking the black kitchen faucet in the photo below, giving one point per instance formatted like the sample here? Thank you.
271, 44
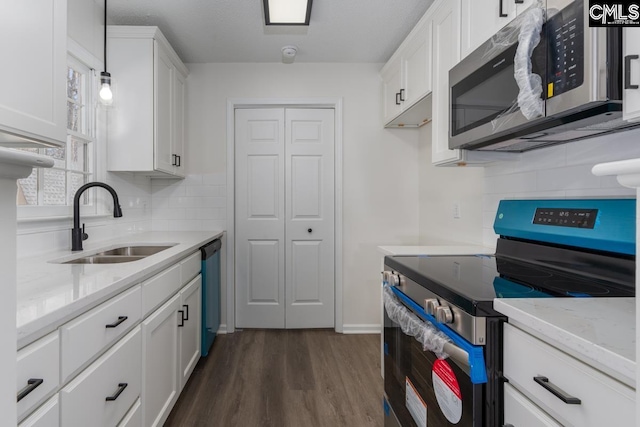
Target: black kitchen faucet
78, 234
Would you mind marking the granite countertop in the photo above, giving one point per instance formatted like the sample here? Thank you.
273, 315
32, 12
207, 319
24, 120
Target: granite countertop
50, 294
449, 249
598, 331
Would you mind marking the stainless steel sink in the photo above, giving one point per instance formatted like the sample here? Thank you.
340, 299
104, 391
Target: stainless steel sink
119, 255
104, 259
142, 251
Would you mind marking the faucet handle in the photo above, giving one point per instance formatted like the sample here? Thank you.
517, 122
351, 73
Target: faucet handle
85, 236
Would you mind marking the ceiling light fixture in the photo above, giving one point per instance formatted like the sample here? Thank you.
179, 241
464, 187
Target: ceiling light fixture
106, 96
287, 12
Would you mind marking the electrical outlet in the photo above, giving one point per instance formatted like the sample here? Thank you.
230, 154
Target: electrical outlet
456, 210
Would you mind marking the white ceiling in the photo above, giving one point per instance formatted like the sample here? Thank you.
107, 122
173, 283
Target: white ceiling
234, 31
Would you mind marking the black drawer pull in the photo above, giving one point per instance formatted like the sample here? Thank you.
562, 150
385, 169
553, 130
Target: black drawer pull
517, 2
117, 322
402, 95
557, 392
627, 72
179, 161
121, 388
398, 98
181, 318
186, 312
32, 384
174, 161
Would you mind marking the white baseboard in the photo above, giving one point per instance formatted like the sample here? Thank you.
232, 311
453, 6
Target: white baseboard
361, 329
222, 330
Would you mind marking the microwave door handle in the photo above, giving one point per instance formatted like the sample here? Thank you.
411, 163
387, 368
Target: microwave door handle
627, 72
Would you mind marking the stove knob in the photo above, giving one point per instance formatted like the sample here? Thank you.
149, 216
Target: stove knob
430, 306
444, 315
394, 279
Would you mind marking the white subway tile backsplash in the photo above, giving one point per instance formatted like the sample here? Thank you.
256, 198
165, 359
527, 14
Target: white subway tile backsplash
568, 177
516, 182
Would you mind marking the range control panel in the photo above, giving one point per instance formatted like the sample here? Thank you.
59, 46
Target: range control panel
578, 218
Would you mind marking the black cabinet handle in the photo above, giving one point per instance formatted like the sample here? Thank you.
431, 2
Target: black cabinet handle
32, 384
181, 318
179, 161
517, 2
502, 14
627, 72
174, 160
402, 95
121, 388
186, 312
117, 322
508, 425
398, 98
556, 391
309, 230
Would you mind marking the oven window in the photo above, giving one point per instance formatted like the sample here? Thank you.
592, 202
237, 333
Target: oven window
485, 94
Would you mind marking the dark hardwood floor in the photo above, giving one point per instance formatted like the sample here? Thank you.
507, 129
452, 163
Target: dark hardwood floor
294, 378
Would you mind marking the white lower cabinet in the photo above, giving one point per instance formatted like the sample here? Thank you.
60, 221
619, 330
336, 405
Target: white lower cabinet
107, 389
171, 349
134, 416
48, 415
191, 297
38, 372
521, 412
566, 389
160, 362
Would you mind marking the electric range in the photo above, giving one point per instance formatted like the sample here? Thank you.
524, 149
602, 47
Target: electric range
442, 337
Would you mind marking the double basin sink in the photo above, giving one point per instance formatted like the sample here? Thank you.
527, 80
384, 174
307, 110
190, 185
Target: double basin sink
119, 255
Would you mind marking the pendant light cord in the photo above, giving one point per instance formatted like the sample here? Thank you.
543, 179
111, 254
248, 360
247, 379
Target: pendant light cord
105, 36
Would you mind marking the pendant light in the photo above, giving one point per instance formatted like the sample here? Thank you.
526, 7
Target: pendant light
106, 96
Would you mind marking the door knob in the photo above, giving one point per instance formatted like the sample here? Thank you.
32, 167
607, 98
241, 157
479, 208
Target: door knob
310, 230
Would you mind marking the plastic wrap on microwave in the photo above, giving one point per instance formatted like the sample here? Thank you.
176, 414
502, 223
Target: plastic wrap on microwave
525, 30
426, 334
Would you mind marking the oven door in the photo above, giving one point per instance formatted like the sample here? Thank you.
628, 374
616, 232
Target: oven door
423, 390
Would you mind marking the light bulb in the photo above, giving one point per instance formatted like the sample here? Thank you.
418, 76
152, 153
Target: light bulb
106, 96
105, 92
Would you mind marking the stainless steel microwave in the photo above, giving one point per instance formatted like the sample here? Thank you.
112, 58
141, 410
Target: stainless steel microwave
528, 88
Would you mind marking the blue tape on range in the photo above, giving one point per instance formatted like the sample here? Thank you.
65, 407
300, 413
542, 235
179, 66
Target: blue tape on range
478, 369
386, 407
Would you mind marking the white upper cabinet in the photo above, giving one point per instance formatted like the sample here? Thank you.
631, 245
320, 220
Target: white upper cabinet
481, 19
446, 53
631, 74
33, 42
407, 77
146, 122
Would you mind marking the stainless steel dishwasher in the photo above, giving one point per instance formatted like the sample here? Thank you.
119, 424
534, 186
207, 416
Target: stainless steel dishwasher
210, 293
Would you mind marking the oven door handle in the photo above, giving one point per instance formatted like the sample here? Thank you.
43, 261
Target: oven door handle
458, 354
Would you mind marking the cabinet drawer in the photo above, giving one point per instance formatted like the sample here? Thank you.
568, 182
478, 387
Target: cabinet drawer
159, 288
191, 267
520, 411
603, 400
133, 417
85, 398
48, 415
87, 335
38, 361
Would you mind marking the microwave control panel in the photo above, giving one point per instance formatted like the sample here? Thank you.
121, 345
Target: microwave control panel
565, 35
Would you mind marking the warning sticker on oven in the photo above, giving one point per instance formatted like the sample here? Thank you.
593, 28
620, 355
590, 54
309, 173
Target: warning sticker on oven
447, 391
416, 406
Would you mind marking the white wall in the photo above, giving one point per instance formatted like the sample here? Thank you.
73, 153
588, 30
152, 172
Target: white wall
440, 188
380, 173
562, 171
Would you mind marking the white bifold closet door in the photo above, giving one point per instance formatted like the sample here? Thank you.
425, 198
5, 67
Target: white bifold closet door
284, 218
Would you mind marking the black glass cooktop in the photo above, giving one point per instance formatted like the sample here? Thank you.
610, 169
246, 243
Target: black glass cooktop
471, 281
